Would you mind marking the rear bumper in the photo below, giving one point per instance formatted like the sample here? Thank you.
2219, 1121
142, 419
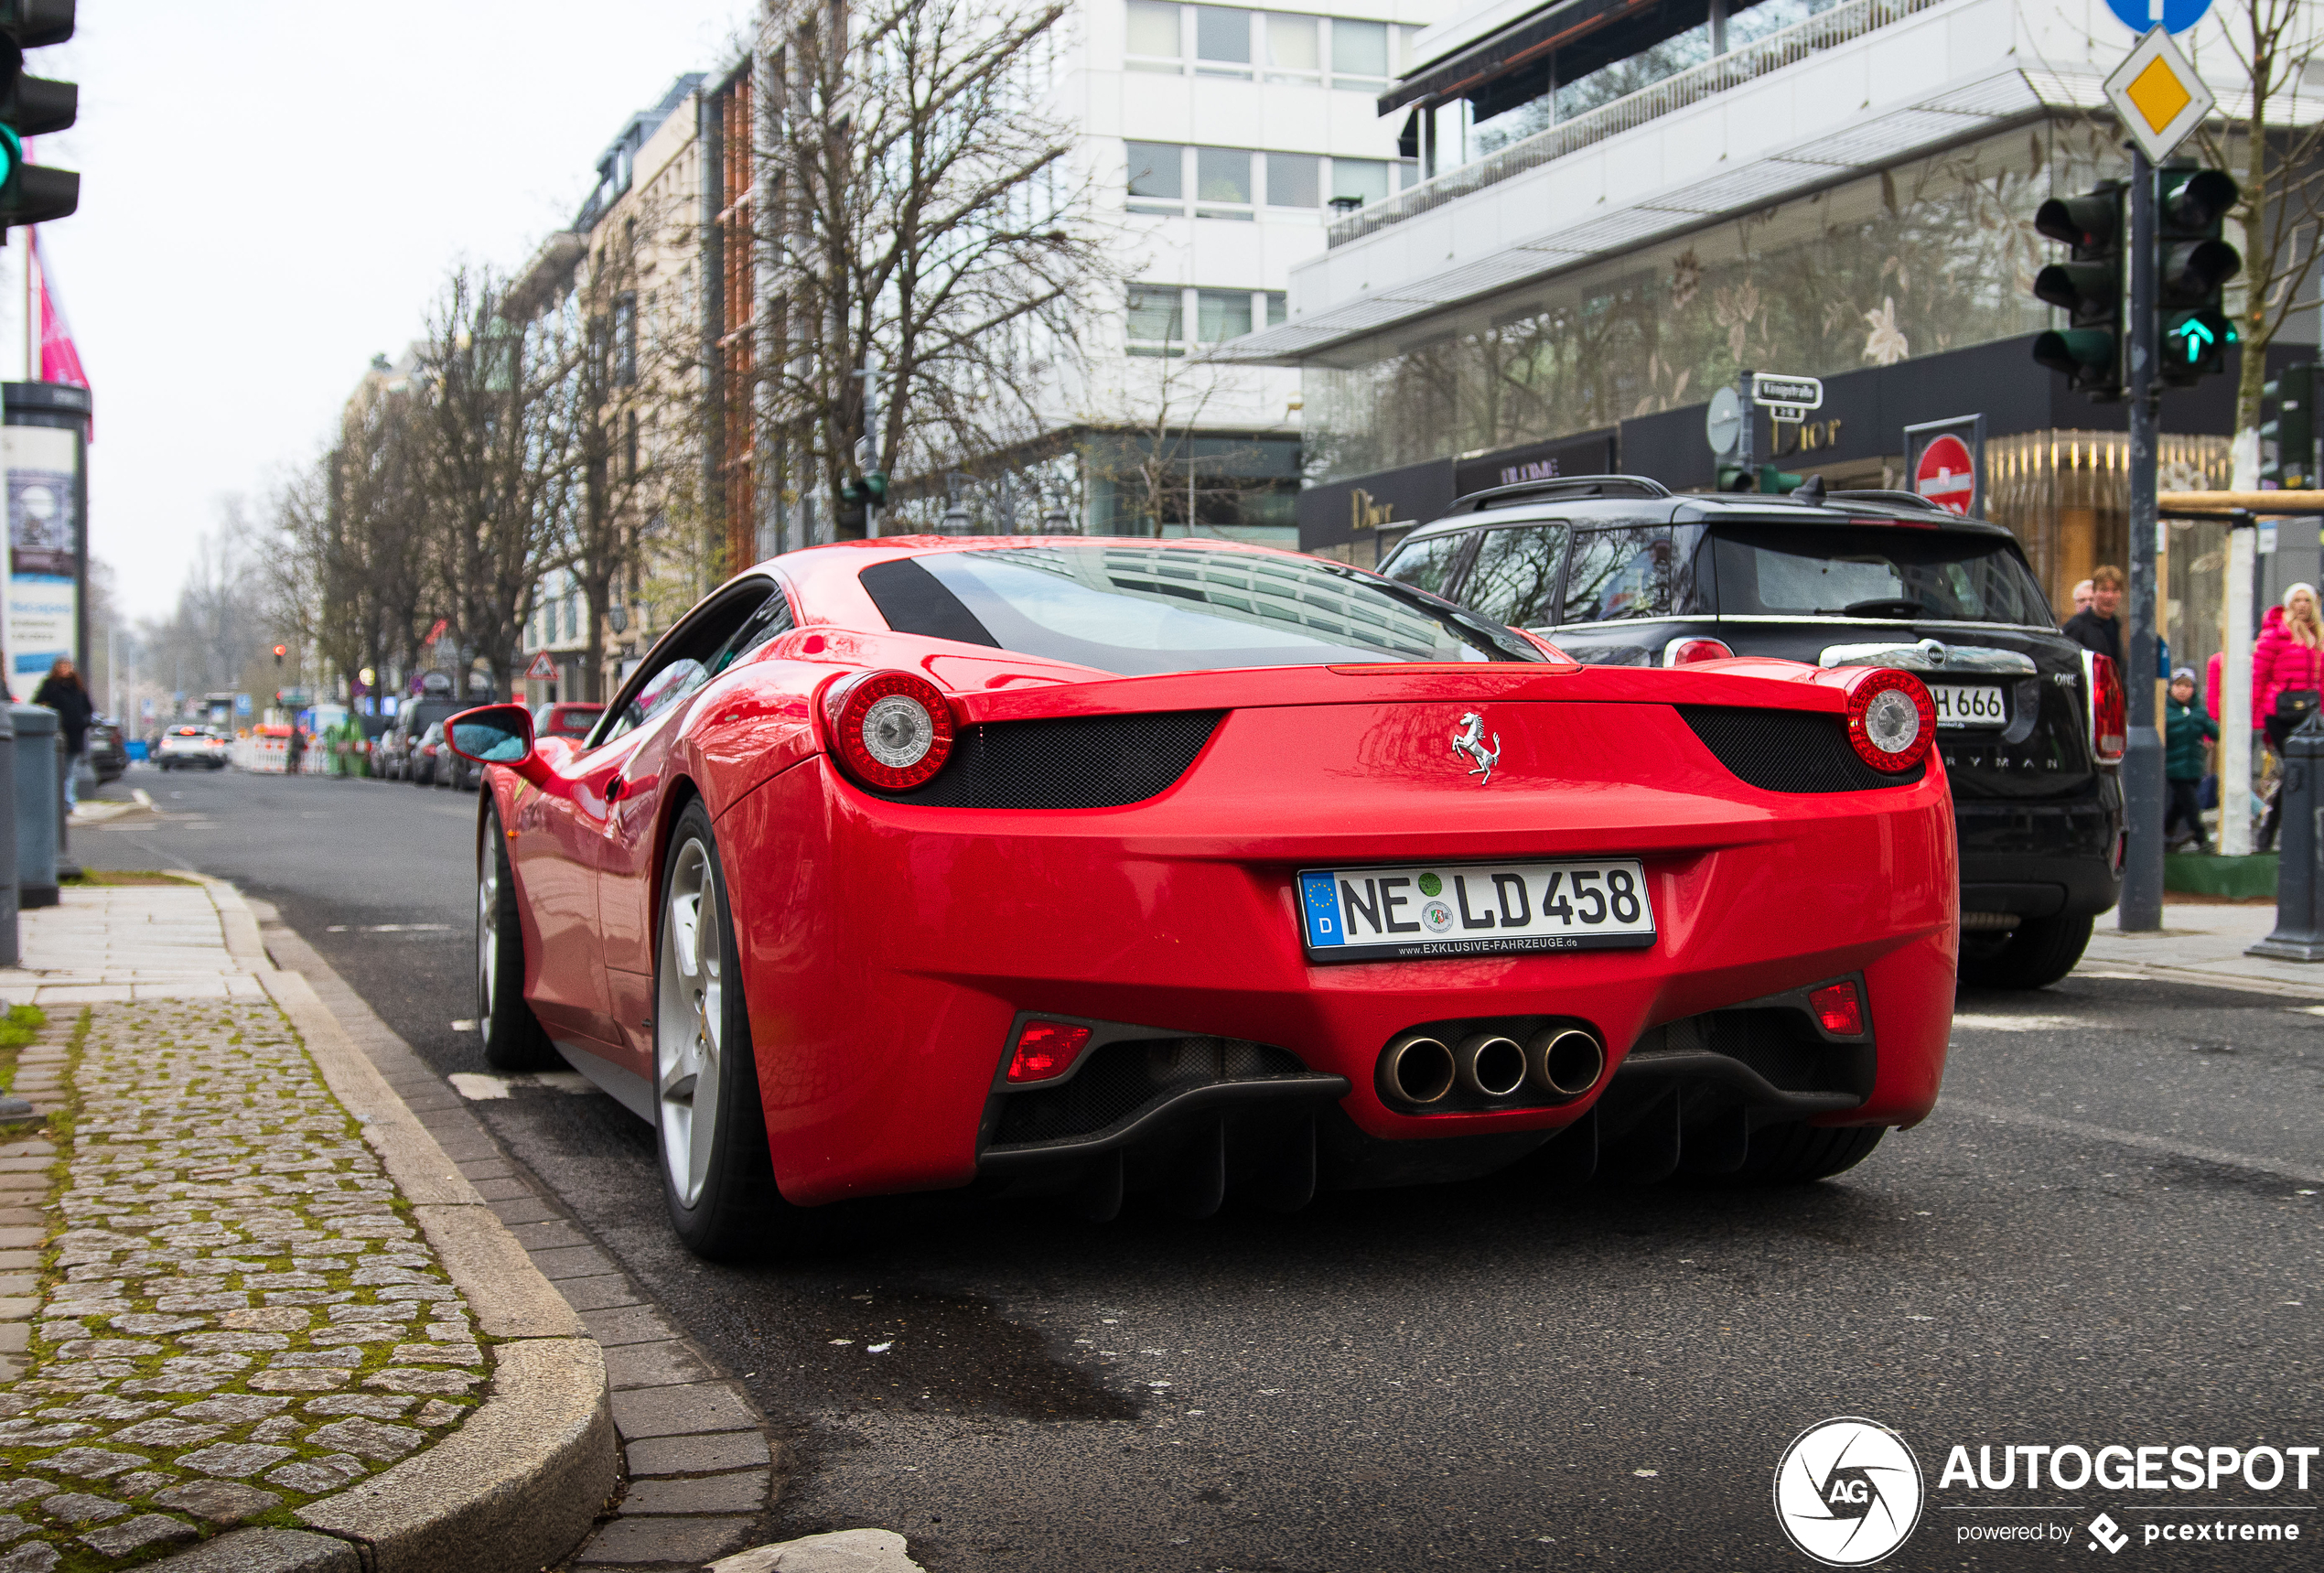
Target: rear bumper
2041, 860
886, 950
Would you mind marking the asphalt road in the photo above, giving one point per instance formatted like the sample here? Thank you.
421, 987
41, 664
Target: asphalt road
2110, 1233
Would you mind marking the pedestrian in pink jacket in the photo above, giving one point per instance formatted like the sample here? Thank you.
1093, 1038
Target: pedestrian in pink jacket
2289, 656
2289, 659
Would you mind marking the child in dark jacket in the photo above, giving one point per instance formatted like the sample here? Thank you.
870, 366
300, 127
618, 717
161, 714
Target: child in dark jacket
2185, 731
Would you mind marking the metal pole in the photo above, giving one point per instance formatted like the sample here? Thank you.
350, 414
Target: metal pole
2234, 716
2142, 893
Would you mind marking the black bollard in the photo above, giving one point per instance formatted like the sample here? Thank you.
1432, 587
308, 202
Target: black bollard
2298, 882
36, 819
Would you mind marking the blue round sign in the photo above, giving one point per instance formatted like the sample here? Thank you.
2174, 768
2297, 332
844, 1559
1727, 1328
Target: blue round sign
2176, 15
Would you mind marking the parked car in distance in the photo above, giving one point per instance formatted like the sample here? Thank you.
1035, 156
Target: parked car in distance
190, 745
427, 755
1618, 572
565, 720
108, 754
394, 755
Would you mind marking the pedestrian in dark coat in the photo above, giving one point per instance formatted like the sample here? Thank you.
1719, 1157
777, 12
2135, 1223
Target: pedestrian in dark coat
2094, 627
63, 692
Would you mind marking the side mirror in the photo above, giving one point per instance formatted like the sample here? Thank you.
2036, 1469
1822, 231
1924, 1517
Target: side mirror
493, 735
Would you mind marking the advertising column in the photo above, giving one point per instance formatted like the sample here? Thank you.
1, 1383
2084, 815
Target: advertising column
44, 448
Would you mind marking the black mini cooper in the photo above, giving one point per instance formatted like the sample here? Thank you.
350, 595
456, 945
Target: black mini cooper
1618, 569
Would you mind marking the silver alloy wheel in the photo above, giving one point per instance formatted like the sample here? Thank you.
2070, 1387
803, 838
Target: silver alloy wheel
488, 924
689, 1012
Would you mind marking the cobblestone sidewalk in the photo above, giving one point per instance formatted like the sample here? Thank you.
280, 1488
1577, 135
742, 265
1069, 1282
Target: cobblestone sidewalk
239, 1316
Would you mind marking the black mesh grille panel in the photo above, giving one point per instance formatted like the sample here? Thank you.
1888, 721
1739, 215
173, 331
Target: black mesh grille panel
1789, 751
1082, 761
1778, 1044
1122, 1078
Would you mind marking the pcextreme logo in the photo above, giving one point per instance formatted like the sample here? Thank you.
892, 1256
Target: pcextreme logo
1847, 1491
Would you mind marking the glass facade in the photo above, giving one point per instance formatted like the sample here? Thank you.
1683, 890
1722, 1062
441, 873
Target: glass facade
1930, 255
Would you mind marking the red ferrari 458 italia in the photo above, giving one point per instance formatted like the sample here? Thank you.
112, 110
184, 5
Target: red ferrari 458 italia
1179, 870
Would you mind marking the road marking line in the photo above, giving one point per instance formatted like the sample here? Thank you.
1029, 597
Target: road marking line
1974, 1022
2008, 1115
477, 1087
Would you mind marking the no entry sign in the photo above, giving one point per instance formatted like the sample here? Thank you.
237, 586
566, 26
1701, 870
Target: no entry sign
1944, 458
1947, 476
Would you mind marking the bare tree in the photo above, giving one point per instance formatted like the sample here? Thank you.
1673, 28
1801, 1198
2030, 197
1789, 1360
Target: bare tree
500, 417
2281, 214
215, 639
925, 233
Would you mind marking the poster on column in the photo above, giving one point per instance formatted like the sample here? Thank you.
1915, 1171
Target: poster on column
43, 551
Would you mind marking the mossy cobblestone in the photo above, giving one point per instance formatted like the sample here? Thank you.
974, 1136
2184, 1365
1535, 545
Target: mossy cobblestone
238, 1315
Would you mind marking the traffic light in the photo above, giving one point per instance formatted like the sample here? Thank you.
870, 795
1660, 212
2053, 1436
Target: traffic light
32, 106
2192, 265
1766, 480
2287, 436
2088, 287
281, 650
869, 487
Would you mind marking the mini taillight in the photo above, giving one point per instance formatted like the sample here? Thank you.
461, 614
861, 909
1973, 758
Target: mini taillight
1687, 652
1045, 1050
893, 730
1839, 1009
1891, 720
2109, 728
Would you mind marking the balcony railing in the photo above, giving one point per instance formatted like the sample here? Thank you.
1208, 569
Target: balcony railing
1826, 30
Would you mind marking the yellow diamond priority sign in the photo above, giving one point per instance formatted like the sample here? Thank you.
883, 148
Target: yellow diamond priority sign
2159, 97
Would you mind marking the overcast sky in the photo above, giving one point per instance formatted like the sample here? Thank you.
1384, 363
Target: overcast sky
270, 192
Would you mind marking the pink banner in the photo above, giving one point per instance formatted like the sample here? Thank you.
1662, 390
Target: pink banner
59, 357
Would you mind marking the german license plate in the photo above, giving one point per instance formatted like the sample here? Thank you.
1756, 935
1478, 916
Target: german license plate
1405, 911
1959, 706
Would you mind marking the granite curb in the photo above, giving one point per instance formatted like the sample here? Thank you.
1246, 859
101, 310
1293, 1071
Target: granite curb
518, 1486
701, 1468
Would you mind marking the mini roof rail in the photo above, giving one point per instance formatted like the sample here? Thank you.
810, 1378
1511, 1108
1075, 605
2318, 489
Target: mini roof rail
1562, 486
1893, 497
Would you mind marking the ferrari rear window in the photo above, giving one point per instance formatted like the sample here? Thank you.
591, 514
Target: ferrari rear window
1137, 609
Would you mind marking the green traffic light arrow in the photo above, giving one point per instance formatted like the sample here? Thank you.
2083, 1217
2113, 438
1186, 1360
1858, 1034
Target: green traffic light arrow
2195, 329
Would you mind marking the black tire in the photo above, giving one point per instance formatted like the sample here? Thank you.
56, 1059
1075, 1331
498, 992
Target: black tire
513, 1040
737, 1209
1796, 1153
2034, 954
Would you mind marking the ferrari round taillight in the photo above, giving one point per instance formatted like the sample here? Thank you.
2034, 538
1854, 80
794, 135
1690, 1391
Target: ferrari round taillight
1891, 720
1687, 652
2109, 730
892, 731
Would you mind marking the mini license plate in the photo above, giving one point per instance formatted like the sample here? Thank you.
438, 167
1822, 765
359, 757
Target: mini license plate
1408, 912
1959, 706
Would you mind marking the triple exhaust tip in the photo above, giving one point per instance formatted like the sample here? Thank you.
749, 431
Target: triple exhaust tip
1560, 1063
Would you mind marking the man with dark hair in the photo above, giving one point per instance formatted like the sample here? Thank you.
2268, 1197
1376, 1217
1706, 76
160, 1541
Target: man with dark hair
2095, 628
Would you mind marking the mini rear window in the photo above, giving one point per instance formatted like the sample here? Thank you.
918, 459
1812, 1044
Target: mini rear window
1776, 570
1141, 609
